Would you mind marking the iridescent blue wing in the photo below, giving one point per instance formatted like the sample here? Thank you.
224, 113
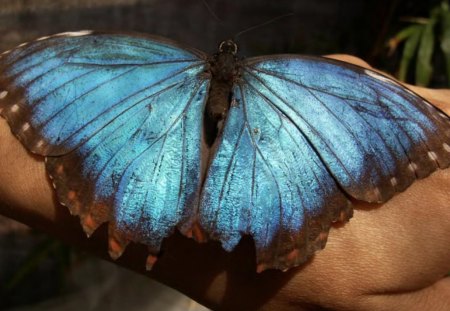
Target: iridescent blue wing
303, 135
119, 119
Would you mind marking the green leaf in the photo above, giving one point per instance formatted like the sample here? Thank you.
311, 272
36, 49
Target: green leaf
409, 50
424, 68
445, 40
40, 253
406, 32
402, 35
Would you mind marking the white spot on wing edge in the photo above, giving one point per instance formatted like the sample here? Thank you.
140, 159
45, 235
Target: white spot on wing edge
394, 182
428, 104
3, 94
378, 76
410, 92
6, 52
22, 44
446, 147
14, 108
412, 167
39, 144
25, 127
432, 155
74, 33
67, 34
42, 38
377, 193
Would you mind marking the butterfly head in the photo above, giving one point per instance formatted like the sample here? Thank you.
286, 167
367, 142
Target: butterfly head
228, 46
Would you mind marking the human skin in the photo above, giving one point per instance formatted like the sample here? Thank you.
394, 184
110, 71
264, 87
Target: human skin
391, 256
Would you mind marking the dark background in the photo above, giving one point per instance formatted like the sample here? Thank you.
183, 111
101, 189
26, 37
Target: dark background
356, 27
362, 28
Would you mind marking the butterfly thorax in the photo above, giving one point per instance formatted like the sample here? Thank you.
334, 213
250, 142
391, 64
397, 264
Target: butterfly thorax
224, 69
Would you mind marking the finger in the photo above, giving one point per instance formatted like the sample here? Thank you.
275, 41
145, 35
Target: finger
435, 297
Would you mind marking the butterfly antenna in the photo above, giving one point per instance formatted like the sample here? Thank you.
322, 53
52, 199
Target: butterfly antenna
211, 11
262, 24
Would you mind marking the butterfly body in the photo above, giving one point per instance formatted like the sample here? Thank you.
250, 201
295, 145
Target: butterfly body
224, 71
152, 136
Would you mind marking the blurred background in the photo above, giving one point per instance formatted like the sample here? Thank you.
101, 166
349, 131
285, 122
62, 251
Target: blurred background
406, 38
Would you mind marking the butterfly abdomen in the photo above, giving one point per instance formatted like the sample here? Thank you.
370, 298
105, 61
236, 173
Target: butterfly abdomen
223, 69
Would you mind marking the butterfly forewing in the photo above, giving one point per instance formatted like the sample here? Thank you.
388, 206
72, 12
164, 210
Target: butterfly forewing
374, 136
119, 118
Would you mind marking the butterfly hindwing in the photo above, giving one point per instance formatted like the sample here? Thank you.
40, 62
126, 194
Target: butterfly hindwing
266, 181
119, 118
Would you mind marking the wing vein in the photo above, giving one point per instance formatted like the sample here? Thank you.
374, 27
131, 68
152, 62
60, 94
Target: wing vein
258, 150
118, 104
278, 110
227, 172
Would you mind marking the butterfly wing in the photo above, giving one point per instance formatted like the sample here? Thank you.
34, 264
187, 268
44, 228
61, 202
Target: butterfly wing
119, 118
302, 135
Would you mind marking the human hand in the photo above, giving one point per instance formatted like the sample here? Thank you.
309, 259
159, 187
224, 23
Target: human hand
390, 256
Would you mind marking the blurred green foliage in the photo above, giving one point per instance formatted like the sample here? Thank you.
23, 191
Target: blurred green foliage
61, 255
419, 43
23, 284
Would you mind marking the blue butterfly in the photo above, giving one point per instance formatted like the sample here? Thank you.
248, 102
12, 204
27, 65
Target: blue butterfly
152, 136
